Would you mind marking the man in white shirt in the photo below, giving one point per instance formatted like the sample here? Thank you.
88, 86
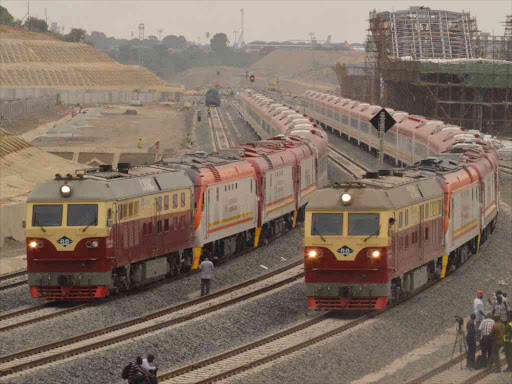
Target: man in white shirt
486, 340
147, 364
478, 308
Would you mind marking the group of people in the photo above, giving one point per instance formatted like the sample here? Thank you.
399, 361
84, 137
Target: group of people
493, 330
143, 371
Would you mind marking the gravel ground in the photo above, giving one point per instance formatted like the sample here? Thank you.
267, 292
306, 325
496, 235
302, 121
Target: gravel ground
354, 152
273, 256
195, 340
400, 331
16, 298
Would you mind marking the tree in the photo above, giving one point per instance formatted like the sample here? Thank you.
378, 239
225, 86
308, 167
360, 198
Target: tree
95, 35
174, 42
219, 42
77, 35
207, 35
5, 17
35, 24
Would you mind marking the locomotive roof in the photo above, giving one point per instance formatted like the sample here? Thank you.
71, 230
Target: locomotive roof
380, 193
98, 185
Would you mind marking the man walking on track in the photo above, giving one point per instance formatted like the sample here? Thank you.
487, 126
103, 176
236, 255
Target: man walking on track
206, 268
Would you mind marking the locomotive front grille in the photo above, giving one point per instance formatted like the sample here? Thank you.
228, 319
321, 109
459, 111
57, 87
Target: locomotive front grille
65, 280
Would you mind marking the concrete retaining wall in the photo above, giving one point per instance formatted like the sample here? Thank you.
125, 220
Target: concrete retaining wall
91, 96
11, 218
11, 109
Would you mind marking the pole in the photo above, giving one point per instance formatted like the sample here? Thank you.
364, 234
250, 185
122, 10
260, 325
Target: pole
382, 122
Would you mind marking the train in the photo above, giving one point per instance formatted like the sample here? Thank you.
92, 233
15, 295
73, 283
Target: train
212, 98
102, 231
376, 240
411, 139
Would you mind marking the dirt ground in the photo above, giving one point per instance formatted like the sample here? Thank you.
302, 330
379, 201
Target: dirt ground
32, 120
109, 129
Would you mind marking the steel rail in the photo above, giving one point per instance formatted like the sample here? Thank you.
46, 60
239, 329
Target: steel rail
59, 355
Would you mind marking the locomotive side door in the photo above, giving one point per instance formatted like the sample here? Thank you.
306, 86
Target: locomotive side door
421, 239
156, 224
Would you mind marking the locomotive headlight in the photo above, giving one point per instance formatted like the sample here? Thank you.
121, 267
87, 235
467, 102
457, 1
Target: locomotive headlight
95, 244
65, 190
375, 254
32, 244
312, 254
346, 198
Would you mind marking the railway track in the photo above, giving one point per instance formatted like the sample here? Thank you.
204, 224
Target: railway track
454, 372
355, 169
165, 318
262, 351
221, 137
13, 276
505, 169
9, 276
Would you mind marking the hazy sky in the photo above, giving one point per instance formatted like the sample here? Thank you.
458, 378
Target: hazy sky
264, 20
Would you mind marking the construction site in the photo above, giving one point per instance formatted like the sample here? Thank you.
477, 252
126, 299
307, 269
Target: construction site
436, 64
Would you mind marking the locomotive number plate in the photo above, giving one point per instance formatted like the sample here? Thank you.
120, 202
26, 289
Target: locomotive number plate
64, 241
345, 250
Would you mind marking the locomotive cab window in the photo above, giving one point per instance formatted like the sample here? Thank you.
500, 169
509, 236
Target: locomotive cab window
326, 224
363, 224
82, 215
47, 215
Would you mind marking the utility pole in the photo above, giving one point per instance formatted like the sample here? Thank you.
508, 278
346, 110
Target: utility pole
382, 127
235, 43
160, 31
141, 56
46, 15
241, 38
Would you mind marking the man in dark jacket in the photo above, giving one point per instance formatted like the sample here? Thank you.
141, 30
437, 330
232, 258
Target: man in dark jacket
471, 341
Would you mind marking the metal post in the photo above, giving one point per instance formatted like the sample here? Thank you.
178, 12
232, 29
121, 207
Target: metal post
382, 122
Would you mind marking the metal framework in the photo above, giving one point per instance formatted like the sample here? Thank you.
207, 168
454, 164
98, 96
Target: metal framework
423, 61
424, 33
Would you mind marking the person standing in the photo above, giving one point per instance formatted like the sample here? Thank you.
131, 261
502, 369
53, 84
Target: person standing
471, 341
500, 308
478, 308
485, 329
498, 334
507, 341
206, 268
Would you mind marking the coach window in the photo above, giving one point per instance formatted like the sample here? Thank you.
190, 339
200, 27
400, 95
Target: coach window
406, 217
401, 220
166, 225
166, 202
175, 201
130, 210
82, 214
426, 210
183, 199
150, 228
363, 224
136, 208
109, 217
326, 224
47, 215
159, 203
426, 234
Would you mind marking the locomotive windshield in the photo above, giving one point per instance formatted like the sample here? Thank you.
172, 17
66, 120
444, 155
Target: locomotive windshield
47, 215
82, 214
363, 224
327, 224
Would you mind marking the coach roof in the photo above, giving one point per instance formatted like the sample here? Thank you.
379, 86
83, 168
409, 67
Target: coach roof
367, 195
109, 186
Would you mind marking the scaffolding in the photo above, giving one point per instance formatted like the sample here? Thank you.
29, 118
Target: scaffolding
424, 33
436, 64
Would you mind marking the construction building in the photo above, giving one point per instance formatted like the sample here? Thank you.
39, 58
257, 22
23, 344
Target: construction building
437, 64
